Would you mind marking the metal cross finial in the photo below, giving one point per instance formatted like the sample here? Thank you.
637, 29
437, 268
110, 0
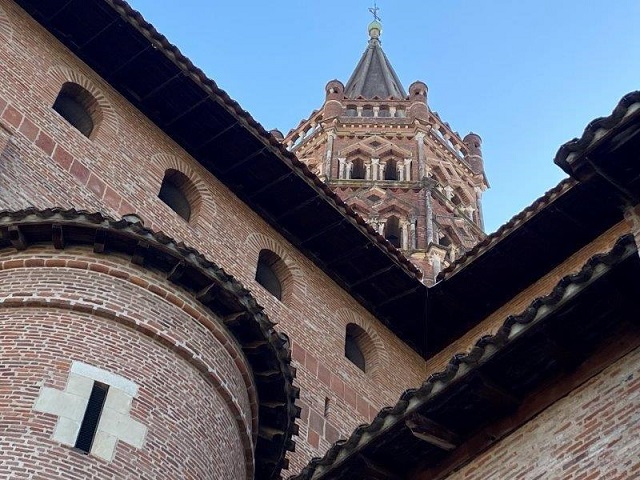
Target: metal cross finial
374, 11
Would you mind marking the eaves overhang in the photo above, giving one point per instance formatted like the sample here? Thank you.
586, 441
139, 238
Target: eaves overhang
151, 73
531, 351
605, 180
267, 351
606, 149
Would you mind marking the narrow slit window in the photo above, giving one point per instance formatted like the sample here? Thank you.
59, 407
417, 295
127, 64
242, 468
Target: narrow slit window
91, 418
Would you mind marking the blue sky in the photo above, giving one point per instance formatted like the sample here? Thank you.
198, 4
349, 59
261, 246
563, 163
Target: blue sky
526, 75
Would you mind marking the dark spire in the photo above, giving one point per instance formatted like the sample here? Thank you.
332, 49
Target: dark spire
374, 76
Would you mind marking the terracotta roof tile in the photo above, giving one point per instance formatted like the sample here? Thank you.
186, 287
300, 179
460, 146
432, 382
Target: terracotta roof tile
516, 221
597, 130
462, 363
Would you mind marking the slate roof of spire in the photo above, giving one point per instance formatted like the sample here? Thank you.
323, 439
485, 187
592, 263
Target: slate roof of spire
374, 76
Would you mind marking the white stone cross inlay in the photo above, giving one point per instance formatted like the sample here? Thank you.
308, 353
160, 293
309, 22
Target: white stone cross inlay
70, 404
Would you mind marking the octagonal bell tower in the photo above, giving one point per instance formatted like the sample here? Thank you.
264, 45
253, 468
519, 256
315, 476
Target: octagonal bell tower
395, 162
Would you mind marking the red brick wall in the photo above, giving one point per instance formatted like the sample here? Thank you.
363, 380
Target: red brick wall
45, 162
589, 434
56, 307
408, 203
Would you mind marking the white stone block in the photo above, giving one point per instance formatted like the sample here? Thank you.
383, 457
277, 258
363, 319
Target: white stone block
133, 433
118, 401
104, 446
66, 431
79, 385
104, 376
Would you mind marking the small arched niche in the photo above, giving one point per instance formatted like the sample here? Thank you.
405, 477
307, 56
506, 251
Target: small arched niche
78, 106
179, 193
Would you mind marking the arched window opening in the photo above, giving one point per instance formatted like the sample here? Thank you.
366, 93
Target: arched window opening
78, 107
355, 346
269, 272
384, 111
391, 170
175, 191
351, 111
400, 113
367, 111
392, 231
357, 171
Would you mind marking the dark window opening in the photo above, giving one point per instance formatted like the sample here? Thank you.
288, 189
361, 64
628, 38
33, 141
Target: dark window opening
76, 105
351, 111
172, 193
384, 112
392, 231
391, 170
266, 274
357, 170
91, 417
352, 350
367, 111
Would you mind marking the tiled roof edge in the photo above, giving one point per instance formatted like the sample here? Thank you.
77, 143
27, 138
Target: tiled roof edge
515, 222
256, 128
279, 342
596, 130
483, 349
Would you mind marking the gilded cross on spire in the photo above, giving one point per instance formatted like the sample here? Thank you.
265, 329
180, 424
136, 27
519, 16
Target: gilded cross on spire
374, 12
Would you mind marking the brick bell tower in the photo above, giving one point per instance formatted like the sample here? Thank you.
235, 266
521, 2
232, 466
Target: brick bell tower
395, 162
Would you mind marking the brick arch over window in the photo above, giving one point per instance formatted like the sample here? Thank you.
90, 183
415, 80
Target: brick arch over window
372, 346
6, 30
106, 119
292, 281
201, 198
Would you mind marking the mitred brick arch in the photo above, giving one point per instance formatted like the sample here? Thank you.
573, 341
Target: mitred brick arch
106, 119
291, 277
199, 196
6, 30
374, 351
357, 148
